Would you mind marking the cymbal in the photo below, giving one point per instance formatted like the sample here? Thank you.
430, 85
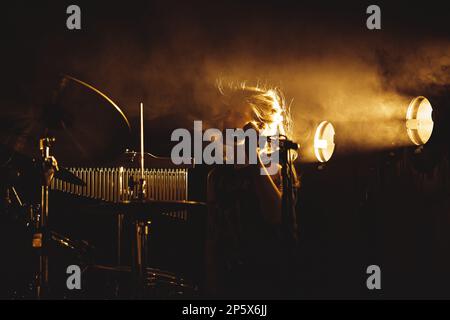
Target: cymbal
88, 126
19, 164
149, 208
65, 175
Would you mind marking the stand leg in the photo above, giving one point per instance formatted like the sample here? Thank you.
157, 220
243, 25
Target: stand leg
39, 241
119, 238
40, 237
138, 271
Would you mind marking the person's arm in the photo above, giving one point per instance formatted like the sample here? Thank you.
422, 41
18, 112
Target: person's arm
269, 194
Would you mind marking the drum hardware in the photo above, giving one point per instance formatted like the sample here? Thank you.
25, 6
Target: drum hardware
71, 118
40, 236
138, 196
162, 283
18, 166
140, 215
116, 189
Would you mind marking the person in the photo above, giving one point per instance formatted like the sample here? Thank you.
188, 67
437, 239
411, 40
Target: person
243, 247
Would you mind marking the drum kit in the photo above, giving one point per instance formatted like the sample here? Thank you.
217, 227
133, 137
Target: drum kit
84, 127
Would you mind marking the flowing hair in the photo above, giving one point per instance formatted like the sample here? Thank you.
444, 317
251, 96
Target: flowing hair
266, 108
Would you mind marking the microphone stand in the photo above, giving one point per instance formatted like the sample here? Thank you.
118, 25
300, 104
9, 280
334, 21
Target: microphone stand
289, 226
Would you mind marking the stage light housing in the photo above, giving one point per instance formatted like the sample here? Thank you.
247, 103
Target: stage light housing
419, 122
324, 141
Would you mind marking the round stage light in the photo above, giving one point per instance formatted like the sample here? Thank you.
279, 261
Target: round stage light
419, 123
324, 141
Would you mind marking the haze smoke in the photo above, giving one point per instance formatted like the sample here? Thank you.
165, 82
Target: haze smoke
361, 81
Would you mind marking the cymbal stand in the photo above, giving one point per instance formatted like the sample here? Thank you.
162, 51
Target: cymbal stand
141, 227
48, 167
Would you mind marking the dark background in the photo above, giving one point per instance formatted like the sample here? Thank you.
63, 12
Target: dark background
389, 207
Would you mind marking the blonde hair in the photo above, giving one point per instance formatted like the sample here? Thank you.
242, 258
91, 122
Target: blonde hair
268, 112
266, 108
